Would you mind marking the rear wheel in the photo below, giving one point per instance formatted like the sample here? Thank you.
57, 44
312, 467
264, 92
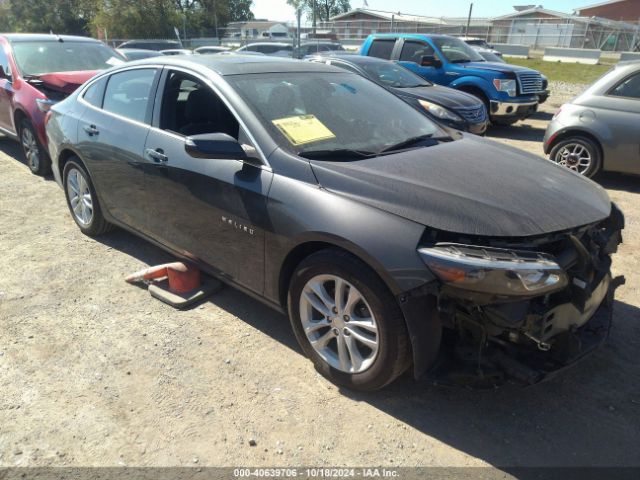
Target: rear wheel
347, 322
36, 157
82, 199
580, 154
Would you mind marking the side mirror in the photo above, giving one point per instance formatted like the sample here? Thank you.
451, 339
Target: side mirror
4, 75
214, 145
430, 61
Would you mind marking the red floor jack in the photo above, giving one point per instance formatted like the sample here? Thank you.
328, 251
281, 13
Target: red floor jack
178, 284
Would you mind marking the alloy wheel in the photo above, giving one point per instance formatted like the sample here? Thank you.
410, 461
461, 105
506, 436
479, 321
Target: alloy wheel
574, 156
80, 197
31, 149
339, 323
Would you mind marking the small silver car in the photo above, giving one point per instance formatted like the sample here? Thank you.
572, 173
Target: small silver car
600, 129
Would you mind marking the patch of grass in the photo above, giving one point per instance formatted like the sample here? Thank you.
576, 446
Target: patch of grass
563, 72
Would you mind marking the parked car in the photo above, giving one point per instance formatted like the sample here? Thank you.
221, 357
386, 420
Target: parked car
36, 71
480, 44
137, 53
151, 44
211, 49
278, 49
489, 56
600, 129
176, 51
311, 48
510, 92
451, 107
389, 240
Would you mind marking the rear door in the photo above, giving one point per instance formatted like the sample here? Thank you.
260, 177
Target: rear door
382, 48
212, 210
111, 137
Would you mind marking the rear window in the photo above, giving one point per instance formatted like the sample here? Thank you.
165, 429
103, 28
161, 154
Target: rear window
128, 93
629, 87
382, 48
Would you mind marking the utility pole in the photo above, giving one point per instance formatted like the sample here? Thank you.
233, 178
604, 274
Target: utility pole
313, 17
469, 19
297, 47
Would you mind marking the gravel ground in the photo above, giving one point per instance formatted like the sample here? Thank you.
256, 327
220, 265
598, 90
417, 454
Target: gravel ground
94, 372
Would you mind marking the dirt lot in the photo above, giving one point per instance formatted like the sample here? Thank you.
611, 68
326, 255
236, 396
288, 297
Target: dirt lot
95, 372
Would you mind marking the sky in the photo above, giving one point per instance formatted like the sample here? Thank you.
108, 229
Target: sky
279, 10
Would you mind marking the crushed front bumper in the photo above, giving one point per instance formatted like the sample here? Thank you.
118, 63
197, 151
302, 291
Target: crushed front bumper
498, 364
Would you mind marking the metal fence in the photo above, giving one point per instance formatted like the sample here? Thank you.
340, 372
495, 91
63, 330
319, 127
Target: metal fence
535, 32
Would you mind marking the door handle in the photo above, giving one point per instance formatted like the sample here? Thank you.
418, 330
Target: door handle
156, 155
91, 130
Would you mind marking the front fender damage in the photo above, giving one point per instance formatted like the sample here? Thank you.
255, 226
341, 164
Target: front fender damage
482, 341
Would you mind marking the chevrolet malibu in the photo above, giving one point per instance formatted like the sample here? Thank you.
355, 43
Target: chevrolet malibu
392, 242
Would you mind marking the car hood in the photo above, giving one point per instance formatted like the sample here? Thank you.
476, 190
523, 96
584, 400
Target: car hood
471, 186
447, 97
505, 68
65, 82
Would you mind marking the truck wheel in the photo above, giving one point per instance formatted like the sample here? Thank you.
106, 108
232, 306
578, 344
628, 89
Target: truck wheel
578, 153
347, 322
35, 155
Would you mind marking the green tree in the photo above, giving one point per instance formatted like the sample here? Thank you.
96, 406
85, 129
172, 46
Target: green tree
325, 9
60, 16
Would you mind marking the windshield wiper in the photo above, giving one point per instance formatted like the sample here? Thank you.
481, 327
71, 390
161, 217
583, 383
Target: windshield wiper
335, 154
409, 142
461, 60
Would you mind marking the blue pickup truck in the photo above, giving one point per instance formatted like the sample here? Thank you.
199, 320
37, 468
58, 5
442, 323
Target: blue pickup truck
510, 92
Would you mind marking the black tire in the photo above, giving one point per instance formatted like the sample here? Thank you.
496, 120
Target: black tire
35, 154
96, 225
590, 147
393, 352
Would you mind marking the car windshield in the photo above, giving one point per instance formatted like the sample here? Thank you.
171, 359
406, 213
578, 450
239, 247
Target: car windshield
393, 75
457, 51
37, 58
325, 112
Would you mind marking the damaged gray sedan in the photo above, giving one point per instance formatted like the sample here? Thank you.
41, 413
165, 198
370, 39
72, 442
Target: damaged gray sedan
392, 242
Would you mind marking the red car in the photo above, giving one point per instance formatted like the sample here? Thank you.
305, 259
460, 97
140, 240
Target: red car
36, 71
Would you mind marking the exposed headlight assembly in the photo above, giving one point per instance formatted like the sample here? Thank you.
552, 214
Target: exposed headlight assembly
494, 270
503, 85
439, 111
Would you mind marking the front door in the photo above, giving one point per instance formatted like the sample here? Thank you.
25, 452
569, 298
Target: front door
411, 57
211, 210
111, 137
622, 116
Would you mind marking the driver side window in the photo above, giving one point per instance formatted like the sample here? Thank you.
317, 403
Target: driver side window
189, 107
413, 51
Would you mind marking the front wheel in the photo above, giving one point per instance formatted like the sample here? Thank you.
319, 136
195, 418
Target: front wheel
82, 199
579, 154
36, 157
347, 322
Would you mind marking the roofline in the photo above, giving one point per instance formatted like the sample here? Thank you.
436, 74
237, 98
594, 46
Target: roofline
373, 13
533, 10
601, 4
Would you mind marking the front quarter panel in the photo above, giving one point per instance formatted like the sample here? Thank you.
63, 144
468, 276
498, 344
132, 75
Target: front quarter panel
303, 212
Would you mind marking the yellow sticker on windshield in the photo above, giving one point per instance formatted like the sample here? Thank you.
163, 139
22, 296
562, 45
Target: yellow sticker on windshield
303, 129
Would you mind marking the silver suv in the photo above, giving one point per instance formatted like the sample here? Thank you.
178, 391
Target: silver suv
600, 129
